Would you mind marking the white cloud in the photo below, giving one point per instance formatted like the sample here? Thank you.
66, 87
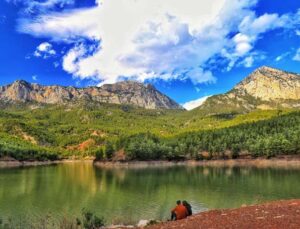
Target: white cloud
170, 39
44, 50
298, 32
243, 44
253, 25
250, 30
282, 56
198, 75
297, 55
71, 59
56, 64
195, 103
278, 58
33, 6
248, 62
34, 77
197, 89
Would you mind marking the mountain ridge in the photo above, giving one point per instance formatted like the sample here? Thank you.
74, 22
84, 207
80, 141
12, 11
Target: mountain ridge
125, 92
264, 88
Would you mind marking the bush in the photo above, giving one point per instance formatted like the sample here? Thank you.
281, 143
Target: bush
100, 154
91, 221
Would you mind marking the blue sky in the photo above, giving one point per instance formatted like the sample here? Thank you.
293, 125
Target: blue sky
187, 49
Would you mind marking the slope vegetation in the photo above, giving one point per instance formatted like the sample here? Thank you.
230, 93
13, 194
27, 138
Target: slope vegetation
87, 129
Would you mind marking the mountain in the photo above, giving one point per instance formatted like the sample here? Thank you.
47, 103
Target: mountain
127, 92
265, 88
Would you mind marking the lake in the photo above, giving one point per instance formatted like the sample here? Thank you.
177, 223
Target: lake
128, 195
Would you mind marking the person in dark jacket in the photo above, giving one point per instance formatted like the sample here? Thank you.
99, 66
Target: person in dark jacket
188, 207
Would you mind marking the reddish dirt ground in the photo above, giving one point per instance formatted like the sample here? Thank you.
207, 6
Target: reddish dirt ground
274, 215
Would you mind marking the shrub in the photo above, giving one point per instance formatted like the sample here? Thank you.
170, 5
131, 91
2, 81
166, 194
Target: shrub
91, 221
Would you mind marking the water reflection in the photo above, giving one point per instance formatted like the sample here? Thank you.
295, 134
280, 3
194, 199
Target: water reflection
127, 195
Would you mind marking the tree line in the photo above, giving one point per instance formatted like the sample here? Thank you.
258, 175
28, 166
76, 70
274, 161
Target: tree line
269, 138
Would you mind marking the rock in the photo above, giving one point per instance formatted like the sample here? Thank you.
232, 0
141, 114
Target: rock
127, 92
265, 88
270, 84
143, 223
119, 226
260, 217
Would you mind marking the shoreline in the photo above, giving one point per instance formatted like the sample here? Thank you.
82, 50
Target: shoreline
287, 161
279, 162
20, 164
275, 214
17, 164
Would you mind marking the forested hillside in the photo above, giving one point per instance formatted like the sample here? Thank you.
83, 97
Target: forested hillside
277, 136
48, 132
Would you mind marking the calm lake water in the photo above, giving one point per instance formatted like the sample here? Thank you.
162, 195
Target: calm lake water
128, 195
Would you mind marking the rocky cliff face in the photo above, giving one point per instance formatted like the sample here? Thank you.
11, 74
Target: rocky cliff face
265, 88
127, 92
269, 84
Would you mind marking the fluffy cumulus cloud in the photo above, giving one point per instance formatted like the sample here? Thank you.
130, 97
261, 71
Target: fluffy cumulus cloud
142, 40
44, 50
195, 103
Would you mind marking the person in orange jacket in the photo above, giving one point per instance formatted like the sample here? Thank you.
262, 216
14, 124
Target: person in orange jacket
179, 212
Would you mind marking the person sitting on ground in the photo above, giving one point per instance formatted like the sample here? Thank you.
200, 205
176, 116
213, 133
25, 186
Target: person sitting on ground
188, 207
179, 212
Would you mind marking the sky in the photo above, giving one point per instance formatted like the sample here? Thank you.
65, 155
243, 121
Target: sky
188, 49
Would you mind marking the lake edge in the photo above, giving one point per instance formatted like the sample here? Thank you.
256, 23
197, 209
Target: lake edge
285, 162
20, 164
268, 214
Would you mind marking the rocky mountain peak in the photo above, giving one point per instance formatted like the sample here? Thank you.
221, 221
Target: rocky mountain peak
264, 88
268, 83
265, 68
125, 85
21, 83
272, 74
126, 92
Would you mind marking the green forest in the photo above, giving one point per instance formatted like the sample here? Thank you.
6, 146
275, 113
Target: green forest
268, 138
49, 132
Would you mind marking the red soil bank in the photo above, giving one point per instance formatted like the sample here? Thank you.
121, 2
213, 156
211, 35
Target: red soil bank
274, 215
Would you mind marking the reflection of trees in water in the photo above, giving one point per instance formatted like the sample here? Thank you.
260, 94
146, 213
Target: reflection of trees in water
127, 195
81, 174
214, 186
